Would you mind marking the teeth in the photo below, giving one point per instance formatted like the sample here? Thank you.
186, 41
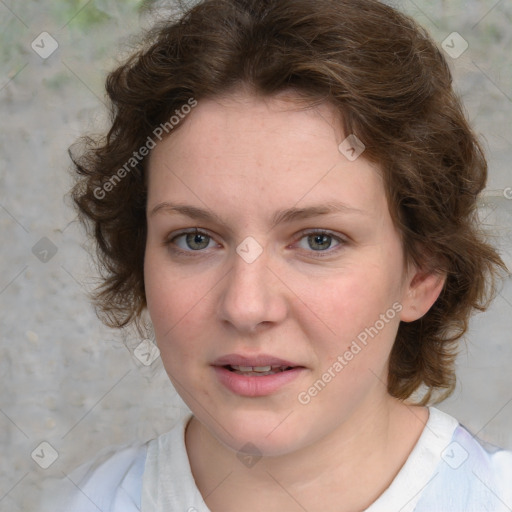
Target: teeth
253, 368
243, 368
262, 369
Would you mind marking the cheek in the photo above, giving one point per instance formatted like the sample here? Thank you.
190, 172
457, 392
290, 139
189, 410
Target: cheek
177, 306
358, 305
356, 297
167, 291
166, 298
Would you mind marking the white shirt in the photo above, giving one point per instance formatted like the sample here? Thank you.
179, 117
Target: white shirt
448, 470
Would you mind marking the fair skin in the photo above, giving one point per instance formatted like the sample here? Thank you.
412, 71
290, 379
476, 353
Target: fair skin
303, 299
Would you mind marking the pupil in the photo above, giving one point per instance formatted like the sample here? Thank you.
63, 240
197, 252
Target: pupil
321, 240
197, 238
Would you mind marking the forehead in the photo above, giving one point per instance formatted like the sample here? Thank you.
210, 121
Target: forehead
240, 149
241, 121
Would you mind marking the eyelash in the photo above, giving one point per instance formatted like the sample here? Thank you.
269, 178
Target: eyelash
169, 242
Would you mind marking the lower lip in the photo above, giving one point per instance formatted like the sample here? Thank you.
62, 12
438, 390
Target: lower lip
253, 385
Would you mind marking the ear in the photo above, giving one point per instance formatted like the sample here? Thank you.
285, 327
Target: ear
421, 290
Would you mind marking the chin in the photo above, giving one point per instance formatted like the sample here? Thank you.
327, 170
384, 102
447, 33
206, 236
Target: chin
256, 433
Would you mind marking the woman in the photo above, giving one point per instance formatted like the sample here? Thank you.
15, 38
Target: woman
288, 189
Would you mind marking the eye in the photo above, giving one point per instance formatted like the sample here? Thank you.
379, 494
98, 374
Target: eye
191, 241
196, 241
321, 241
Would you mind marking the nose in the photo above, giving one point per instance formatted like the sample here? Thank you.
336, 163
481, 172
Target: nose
252, 295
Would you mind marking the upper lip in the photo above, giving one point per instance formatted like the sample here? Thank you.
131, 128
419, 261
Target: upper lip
256, 360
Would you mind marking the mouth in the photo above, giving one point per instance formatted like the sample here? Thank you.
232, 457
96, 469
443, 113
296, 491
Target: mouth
257, 371
256, 365
256, 376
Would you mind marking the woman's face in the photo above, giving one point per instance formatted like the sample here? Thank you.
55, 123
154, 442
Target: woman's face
295, 262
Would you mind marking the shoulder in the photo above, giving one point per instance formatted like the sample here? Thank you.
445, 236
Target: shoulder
111, 482
471, 476
114, 480
489, 464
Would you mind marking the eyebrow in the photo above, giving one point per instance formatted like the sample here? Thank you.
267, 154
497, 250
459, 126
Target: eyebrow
279, 217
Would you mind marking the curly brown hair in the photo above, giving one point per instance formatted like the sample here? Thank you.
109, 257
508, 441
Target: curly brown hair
393, 87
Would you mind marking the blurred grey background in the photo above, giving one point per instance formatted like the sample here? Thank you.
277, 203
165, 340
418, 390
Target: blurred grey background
78, 386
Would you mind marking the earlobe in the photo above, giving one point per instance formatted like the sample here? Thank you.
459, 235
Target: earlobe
421, 293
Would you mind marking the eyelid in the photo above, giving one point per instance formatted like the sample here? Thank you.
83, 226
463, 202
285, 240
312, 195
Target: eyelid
321, 231
342, 240
187, 231
168, 240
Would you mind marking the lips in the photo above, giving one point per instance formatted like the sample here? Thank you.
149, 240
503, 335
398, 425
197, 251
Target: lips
254, 362
254, 376
257, 384
257, 371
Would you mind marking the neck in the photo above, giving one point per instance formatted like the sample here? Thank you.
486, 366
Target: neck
350, 466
